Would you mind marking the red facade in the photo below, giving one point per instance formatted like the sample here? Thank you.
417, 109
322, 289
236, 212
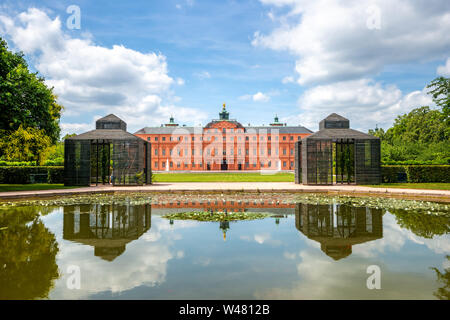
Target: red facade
223, 145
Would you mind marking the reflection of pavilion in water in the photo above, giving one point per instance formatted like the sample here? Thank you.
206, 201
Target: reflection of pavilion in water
338, 227
108, 228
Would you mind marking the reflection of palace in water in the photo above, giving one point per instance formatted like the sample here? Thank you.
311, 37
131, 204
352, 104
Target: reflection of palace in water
220, 205
278, 208
108, 228
338, 227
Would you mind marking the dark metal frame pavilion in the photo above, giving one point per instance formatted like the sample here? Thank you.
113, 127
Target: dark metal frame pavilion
108, 151
337, 154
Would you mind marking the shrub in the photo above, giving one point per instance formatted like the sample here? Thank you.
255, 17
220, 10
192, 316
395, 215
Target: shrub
390, 174
22, 175
428, 173
55, 174
416, 173
48, 163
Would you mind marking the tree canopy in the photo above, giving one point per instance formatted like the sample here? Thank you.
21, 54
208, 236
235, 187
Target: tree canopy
423, 134
25, 100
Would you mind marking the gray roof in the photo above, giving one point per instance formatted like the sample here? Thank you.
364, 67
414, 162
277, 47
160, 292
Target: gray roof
170, 130
110, 117
105, 134
340, 134
335, 117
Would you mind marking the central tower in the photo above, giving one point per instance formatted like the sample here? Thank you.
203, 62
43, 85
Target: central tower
224, 115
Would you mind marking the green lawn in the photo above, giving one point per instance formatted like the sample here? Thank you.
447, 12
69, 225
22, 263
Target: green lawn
431, 186
223, 177
27, 187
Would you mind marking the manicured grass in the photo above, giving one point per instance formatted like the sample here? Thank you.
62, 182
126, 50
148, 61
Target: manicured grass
27, 187
430, 186
223, 177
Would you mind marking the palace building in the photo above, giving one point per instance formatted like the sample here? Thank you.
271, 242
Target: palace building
223, 144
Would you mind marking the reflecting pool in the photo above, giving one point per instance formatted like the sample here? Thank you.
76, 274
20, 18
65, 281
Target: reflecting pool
128, 249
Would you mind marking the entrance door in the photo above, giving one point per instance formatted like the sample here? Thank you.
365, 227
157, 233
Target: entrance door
100, 162
239, 166
224, 165
344, 161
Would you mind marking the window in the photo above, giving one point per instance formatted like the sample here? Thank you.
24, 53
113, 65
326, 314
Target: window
148, 139
156, 138
284, 163
292, 164
171, 164
178, 164
284, 152
163, 138
246, 138
299, 138
291, 138
156, 164
163, 164
163, 152
292, 152
269, 138
156, 152
284, 138
269, 152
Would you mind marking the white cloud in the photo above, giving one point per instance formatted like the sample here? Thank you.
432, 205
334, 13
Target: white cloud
260, 97
90, 78
445, 69
257, 97
203, 75
365, 102
288, 79
332, 42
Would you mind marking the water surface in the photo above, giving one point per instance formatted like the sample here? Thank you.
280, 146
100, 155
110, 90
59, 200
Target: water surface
303, 251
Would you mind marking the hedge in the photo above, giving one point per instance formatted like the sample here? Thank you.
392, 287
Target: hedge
22, 175
416, 174
390, 174
47, 163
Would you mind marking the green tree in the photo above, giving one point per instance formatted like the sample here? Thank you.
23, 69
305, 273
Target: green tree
422, 224
27, 145
443, 293
58, 152
440, 90
423, 134
25, 100
27, 254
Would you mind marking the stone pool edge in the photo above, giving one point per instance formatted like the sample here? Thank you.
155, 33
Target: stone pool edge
232, 187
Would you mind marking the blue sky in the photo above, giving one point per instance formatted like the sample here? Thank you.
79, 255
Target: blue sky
298, 59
